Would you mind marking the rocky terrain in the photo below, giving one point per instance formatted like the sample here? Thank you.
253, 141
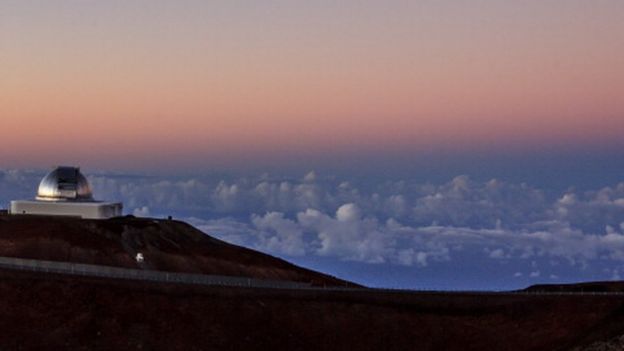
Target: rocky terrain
55, 311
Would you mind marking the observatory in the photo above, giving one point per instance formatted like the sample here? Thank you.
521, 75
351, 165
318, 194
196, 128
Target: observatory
66, 192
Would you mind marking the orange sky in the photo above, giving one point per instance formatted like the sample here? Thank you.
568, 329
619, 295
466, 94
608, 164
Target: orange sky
155, 79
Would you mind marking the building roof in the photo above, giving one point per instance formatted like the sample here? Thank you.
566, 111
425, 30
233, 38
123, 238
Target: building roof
64, 184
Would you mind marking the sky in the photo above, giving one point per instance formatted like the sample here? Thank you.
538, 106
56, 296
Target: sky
134, 84
223, 97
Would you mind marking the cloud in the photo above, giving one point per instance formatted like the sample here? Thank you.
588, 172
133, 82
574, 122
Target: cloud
227, 229
278, 234
141, 211
347, 235
18, 184
400, 222
310, 177
497, 253
348, 213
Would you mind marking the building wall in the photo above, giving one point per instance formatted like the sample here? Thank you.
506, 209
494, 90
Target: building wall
91, 210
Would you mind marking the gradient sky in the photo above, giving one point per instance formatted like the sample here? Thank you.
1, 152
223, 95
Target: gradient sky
147, 84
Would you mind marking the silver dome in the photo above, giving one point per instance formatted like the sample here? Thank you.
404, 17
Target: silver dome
64, 184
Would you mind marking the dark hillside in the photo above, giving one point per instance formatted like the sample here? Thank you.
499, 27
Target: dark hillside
46, 311
166, 245
596, 287
59, 312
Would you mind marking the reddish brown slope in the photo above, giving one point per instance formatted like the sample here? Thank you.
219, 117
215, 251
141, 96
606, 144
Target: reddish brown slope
166, 245
42, 311
47, 311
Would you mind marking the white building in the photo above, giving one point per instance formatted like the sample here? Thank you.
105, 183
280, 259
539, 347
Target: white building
66, 192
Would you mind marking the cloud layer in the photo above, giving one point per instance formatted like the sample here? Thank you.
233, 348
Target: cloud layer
401, 223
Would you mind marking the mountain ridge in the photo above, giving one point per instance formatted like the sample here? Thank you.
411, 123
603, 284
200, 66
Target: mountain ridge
165, 245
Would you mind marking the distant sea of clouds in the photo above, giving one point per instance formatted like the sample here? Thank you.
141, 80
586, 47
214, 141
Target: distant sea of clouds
532, 233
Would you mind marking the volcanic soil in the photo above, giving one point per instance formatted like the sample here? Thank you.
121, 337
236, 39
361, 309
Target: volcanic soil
54, 311
166, 245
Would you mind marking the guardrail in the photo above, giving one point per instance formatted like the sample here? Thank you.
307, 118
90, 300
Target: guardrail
137, 274
91, 270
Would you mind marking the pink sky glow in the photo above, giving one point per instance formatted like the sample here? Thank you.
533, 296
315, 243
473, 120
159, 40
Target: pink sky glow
232, 81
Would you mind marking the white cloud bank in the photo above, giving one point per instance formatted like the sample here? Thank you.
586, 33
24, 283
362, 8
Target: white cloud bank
400, 222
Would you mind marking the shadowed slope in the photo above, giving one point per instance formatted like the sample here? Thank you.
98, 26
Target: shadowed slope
589, 287
54, 311
166, 246
47, 311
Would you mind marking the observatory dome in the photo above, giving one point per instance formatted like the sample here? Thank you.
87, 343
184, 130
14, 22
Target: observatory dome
64, 184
